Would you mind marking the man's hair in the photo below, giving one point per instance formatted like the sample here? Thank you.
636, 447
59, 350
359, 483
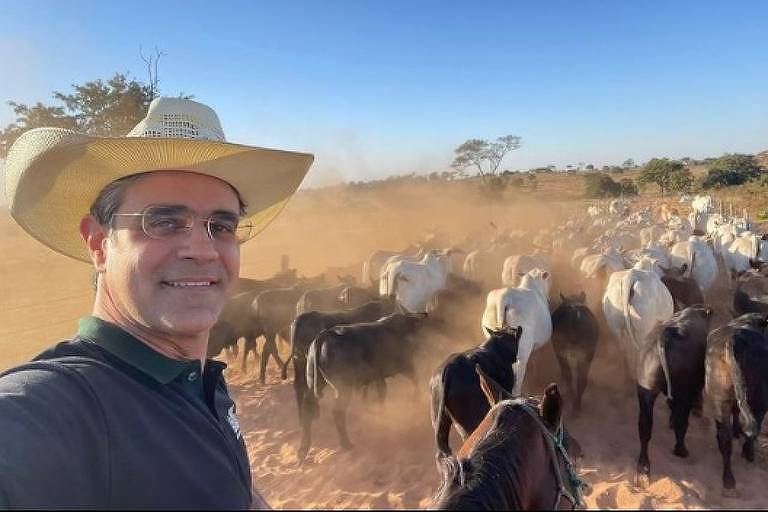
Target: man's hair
111, 197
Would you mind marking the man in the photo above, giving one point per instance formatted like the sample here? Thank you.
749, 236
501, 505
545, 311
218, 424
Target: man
129, 413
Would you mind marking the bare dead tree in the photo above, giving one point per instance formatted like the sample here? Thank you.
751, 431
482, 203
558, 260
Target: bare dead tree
151, 63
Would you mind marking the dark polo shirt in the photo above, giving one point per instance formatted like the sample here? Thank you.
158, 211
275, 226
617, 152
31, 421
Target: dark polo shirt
104, 421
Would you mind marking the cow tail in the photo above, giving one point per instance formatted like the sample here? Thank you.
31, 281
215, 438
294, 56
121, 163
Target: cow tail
626, 298
661, 345
748, 423
439, 414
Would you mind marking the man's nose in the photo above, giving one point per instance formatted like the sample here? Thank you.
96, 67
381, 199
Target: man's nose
197, 245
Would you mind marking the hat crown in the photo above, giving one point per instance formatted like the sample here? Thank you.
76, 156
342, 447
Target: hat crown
179, 118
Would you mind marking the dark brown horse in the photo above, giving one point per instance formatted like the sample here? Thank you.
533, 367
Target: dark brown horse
515, 459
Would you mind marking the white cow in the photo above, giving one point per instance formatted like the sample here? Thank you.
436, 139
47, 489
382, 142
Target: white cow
634, 302
516, 266
373, 266
415, 283
383, 287
650, 236
526, 306
701, 262
744, 250
610, 260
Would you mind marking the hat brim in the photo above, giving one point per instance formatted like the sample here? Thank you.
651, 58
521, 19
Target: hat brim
57, 189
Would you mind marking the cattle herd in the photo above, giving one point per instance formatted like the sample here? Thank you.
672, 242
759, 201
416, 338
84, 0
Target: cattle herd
681, 300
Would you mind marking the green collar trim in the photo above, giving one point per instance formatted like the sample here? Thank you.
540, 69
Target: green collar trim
132, 351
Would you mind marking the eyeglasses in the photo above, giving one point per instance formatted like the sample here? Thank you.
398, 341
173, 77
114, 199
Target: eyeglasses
160, 222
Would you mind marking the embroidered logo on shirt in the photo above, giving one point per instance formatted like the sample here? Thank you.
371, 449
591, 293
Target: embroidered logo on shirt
232, 419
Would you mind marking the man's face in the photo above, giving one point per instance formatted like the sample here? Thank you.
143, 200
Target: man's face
176, 285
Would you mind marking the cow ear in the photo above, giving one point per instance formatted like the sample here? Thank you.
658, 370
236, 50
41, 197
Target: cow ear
562, 297
552, 408
489, 331
583, 297
491, 389
545, 274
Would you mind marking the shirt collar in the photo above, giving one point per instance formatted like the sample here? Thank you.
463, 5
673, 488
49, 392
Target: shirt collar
132, 351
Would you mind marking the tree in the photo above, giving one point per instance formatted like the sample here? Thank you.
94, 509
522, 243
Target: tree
590, 167
665, 173
98, 107
628, 187
730, 170
628, 163
601, 185
484, 155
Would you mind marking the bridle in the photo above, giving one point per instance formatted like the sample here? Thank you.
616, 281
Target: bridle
554, 445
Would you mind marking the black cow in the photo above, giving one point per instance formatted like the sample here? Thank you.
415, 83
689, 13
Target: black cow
673, 364
273, 311
684, 289
304, 330
237, 319
574, 339
455, 386
459, 304
751, 295
354, 296
321, 299
737, 385
351, 357
516, 459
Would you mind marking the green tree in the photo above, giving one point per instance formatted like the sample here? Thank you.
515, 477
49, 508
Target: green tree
628, 163
601, 185
485, 156
98, 107
730, 170
667, 174
628, 187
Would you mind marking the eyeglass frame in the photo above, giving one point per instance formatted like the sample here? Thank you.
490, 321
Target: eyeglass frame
192, 217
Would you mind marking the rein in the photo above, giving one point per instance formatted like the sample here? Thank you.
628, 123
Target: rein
555, 444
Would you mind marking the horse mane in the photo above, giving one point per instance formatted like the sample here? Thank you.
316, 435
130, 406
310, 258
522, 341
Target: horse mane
494, 476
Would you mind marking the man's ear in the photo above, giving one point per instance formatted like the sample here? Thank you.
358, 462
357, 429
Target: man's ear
95, 238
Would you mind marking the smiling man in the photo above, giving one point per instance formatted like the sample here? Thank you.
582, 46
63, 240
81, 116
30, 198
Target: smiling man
129, 413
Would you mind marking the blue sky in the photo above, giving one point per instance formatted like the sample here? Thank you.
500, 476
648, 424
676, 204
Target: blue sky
380, 88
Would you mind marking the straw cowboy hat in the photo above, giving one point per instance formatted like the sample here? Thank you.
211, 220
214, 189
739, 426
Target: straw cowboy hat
53, 175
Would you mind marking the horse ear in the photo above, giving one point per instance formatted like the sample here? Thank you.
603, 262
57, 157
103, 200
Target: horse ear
491, 389
552, 407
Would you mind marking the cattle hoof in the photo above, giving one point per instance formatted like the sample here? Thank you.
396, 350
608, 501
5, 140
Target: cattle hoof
681, 451
748, 452
642, 479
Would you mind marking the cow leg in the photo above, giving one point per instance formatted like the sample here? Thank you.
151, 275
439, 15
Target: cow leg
270, 349
736, 422
582, 374
300, 388
681, 409
381, 390
308, 411
566, 379
748, 448
645, 399
340, 417
724, 436
248, 346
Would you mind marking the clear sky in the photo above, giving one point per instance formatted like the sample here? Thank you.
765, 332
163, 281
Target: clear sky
376, 88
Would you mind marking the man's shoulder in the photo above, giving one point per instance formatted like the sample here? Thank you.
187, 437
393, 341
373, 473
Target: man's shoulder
61, 368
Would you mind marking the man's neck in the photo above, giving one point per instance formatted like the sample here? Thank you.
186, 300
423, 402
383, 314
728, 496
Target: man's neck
174, 347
